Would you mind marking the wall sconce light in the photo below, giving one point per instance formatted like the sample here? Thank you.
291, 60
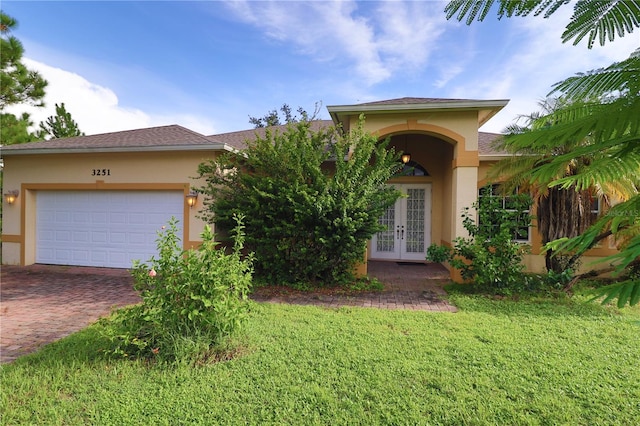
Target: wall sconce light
10, 197
192, 198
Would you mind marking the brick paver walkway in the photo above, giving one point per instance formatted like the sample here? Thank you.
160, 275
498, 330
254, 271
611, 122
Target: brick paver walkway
40, 303
408, 286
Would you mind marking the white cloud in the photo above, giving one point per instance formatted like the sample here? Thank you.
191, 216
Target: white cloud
394, 37
96, 108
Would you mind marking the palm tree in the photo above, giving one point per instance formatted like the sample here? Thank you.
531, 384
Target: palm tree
602, 108
560, 212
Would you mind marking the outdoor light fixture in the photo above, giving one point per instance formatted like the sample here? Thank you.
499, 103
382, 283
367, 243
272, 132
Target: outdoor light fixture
192, 197
10, 197
405, 157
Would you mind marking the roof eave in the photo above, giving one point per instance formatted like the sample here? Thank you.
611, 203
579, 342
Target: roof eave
163, 148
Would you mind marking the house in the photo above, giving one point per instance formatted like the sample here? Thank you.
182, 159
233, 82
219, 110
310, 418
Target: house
98, 200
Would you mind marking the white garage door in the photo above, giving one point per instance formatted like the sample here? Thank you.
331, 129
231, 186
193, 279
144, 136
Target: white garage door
105, 228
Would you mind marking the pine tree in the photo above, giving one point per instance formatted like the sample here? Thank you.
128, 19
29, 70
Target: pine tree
18, 84
60, 125
15, 130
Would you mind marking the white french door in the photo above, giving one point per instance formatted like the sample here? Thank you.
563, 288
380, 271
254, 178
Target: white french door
408, 224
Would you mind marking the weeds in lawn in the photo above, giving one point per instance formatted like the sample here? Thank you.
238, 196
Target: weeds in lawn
192, 301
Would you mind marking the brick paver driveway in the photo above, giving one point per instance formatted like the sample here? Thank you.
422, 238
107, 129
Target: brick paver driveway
40, 304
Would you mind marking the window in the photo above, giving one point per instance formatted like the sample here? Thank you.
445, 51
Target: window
413, 169
508, 203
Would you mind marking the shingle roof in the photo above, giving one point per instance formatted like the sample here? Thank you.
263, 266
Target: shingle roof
486, 144
414, 101
149, 138
238, 139
174, 136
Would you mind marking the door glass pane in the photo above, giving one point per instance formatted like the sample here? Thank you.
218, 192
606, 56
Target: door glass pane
385, 240
415, 220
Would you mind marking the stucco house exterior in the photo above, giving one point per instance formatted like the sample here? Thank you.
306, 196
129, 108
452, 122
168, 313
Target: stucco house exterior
98, 200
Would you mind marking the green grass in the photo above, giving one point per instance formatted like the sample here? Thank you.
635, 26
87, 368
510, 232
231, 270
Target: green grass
532, 362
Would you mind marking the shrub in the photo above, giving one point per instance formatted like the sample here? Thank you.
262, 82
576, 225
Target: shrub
311, 200
191, 299
490, 257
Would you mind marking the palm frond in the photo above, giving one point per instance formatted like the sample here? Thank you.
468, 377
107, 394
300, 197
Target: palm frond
576, 123
601, 155
627, 292
618, 77
597, 19
602, 20
606, 169
472, 9
479, 9
513, 171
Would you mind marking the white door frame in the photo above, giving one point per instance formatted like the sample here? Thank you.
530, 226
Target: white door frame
394, 244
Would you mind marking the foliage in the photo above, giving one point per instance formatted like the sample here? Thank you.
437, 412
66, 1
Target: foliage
604, 106
489, 257
593, 18
191, 300
537, 361
15, 130
306, 221
272, 118
61, 125
561, 212
18, 84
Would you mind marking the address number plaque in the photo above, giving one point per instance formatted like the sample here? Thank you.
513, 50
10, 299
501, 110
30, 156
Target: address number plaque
100, 172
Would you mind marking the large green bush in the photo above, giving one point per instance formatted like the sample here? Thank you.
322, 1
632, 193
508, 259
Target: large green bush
490, 257
191, 300
311, 200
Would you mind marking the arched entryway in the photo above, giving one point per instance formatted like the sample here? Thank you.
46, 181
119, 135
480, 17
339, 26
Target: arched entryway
442, 137
415, 221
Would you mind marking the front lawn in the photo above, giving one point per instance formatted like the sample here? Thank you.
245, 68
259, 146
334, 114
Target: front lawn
494, 362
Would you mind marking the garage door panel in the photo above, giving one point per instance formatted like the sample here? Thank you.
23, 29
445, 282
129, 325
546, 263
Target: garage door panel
80, 256
136, 218
139, 239
118, 238
62, 217
99, 218
118, 217
102, 228
98, 237
81, 218
63, 236
81, 237
98, 256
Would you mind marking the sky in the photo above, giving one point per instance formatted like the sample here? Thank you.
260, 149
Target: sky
210, 65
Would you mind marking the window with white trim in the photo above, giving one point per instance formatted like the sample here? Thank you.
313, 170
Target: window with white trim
522, 232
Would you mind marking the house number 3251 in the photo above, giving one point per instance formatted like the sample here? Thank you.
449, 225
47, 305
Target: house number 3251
101, 172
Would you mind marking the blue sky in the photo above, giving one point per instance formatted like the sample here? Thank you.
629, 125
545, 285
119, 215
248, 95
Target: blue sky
209, 65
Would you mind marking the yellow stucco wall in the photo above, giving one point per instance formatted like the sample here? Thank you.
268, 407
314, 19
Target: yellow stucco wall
127, 171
